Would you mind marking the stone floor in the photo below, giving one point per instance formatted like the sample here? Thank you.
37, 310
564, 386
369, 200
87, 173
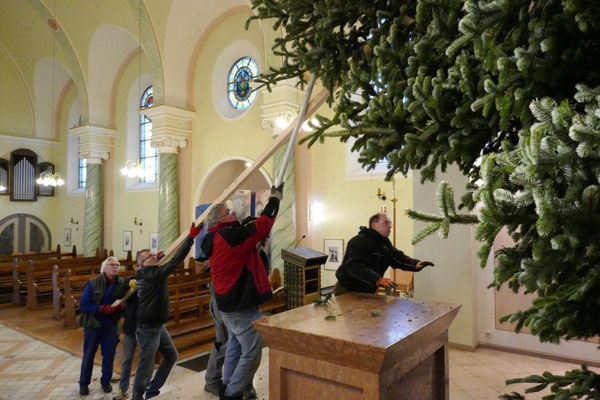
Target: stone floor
30, 369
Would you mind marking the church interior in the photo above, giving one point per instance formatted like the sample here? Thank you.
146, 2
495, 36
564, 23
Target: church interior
124, 120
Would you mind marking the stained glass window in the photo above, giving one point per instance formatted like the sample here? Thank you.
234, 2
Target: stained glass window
239, 92
148, 154
82, 175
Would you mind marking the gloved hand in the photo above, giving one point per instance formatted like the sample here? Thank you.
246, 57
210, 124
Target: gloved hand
386, 283
277, 192
108, 309
423, 264
195, 230
160, 255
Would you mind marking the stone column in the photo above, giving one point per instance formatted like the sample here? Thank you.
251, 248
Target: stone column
171, 130
279, 105
95, 144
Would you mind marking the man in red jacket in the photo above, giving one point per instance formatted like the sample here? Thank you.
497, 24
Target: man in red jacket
241, 284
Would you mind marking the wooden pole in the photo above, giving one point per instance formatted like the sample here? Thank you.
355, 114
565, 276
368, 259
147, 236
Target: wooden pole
311, 108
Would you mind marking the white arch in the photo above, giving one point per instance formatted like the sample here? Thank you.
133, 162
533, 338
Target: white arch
42, 92
104, 62
220, 163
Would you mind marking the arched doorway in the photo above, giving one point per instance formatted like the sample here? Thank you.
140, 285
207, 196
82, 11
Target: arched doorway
24, 233
248, 200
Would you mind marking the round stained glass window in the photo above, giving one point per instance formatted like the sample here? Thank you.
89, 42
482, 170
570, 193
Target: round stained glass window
239, 92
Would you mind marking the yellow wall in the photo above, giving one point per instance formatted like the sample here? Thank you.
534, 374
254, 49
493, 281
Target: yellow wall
17, 112
215, 138
127, 203
454, 277
67, 205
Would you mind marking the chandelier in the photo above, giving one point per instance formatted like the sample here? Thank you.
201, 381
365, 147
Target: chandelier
132, 169
50, 179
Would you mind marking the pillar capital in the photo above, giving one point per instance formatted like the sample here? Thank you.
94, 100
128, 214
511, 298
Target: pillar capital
280, 105
171, 127
95, 142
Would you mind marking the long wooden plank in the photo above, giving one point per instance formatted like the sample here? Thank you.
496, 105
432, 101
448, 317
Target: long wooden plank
313, 106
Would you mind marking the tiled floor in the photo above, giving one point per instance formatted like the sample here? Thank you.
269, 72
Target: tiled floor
30, 369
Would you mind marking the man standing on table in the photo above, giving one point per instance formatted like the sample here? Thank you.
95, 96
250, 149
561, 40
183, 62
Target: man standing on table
368, 256
153, 313
241, 285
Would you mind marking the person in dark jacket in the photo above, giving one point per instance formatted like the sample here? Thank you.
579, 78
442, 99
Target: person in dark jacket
368, 256
129, 341
241, 284
153, 313
99, 321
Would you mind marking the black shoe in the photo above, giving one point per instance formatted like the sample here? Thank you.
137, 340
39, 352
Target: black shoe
250, 393
215, 389
84, 391
107, 388
238, 397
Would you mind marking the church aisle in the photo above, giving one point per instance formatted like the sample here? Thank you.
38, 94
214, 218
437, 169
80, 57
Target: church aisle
31, 369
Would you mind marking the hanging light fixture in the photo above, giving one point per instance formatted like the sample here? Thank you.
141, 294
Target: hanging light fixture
132, 169
49, 178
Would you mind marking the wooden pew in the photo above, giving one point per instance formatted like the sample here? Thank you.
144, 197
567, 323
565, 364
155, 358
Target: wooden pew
40, 256
40, 280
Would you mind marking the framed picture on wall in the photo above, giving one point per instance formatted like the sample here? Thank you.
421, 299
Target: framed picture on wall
153, 245
334, 248
67, 237
127, 240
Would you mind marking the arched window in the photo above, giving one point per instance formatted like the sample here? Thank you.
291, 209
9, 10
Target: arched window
148, 154
239, 92
82, 173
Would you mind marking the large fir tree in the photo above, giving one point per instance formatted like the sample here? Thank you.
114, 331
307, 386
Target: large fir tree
427, 83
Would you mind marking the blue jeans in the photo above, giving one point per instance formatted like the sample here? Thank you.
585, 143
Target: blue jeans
106, 337
151, 338
214, 374
244, 350
129, 345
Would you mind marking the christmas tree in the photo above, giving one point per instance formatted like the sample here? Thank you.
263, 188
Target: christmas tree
428, 83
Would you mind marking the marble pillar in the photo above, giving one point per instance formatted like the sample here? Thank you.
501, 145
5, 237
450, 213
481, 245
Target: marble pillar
95, 145
283, 233
168, 200
281, 105
94, 216
171, 130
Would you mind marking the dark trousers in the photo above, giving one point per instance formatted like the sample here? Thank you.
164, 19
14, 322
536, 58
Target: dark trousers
105, 337
151, 338
129, 345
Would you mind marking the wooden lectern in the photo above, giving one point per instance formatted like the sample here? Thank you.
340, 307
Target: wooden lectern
301, 276
377, 347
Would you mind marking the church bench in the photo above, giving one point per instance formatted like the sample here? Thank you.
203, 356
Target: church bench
74, 285
40, 256
19, 273
6, 281
38, 275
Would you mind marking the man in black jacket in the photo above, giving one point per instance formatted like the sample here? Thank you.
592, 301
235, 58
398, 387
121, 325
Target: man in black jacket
368, 256
153, 312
